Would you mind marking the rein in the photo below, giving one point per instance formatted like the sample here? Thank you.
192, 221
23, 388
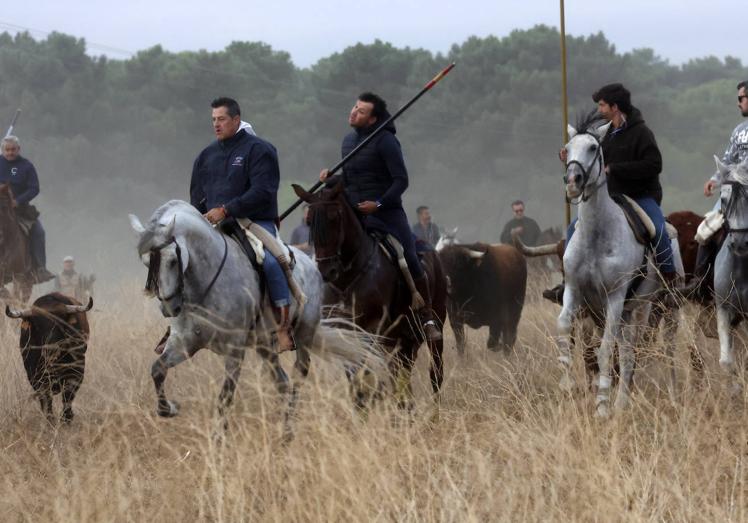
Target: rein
598, 158
151, 283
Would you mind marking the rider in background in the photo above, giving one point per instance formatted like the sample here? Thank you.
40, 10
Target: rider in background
632, 167
736, 152
374, 182
24, 184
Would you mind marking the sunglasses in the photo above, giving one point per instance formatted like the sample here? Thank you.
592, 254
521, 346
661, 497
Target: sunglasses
740, 98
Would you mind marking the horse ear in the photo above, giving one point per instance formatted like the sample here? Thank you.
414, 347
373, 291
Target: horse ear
136, 225
572, 132
301, 193
601, 131
169, 231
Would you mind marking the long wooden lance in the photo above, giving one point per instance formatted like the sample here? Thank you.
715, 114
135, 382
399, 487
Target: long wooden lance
369, 138
13, 123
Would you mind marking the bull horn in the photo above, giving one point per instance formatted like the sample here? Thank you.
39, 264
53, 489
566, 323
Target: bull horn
80, 308
12, 313
475, 255
540, 250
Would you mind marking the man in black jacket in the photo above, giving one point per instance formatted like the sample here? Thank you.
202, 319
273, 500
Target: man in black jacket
632, 166
374, 181
237, 177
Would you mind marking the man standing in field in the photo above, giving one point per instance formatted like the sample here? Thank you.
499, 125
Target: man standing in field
527, 228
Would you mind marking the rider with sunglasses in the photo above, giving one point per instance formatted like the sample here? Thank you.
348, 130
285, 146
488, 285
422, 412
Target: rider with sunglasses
700, 288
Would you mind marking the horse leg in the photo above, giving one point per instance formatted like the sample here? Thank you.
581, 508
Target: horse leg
271, 364
563, 340
669, 331
168, 359
300, 372
233, 368
494, 335
726, 351
626, 361
611, 335
403, 371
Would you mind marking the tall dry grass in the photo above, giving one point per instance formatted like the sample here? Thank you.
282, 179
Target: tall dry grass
508, 445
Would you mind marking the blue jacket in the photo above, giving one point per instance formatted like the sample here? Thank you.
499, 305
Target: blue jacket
241, 174
377, 172
21, 176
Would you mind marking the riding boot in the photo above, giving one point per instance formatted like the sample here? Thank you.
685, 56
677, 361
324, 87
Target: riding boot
426, 313
555, 294
284, 330
699, 288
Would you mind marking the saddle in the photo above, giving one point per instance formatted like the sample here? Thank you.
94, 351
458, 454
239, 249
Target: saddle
641, 224
394, 251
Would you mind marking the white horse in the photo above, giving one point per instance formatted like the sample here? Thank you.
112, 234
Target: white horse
608, 272
731, 265
213, 295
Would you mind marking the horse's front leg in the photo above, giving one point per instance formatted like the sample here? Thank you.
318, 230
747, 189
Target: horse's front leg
174, 353
563, 339
726, 351
233, 368
611, 335
627, 357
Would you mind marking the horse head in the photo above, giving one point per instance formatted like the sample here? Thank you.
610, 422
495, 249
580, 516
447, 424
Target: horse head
584, 160
167, 258
734, 203
332, 226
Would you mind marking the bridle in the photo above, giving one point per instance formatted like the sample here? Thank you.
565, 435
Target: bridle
598, 158
738, 190
154, 267
345, 269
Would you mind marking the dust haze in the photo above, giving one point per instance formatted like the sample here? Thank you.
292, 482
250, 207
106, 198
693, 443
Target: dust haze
112, 137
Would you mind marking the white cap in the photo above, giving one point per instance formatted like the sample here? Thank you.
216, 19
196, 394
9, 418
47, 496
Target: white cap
68, 259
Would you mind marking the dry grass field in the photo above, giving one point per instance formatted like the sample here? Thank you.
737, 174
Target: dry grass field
507, 446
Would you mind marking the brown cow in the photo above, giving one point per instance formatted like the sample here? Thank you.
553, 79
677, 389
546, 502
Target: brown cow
54, 336
486, 287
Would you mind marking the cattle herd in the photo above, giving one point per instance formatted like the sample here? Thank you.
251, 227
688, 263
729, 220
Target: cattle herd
486, 287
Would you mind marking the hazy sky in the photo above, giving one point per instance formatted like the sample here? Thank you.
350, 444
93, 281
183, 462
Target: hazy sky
676, 29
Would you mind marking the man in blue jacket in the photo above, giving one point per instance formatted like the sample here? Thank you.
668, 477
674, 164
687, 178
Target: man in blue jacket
24, 184
374, 181
237, 177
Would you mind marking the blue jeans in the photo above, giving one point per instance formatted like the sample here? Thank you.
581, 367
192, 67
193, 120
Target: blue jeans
663, 251
274, 275
36, 245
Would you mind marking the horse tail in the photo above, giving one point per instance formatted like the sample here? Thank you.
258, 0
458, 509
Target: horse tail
343, 341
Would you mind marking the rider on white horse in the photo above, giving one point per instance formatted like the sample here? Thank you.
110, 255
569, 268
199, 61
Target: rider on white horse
735, 153
633, 165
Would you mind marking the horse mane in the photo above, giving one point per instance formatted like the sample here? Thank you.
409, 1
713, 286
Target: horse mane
320, 224
158, 221
586, 122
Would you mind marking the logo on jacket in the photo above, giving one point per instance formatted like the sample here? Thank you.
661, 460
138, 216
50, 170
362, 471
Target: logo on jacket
14, 171
238, 160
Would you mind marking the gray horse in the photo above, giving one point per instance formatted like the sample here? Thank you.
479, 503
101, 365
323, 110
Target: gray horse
731, 265
602, 262
212, 294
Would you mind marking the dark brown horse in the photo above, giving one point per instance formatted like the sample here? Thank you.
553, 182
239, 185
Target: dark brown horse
370, 287
15, 258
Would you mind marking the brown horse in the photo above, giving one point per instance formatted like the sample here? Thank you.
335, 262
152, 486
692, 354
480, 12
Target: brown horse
371, 289
15, 257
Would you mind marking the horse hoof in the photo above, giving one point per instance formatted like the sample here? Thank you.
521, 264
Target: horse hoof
67, 416
167, 409
602, 411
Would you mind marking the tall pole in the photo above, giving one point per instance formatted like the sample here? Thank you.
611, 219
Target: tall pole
564, 97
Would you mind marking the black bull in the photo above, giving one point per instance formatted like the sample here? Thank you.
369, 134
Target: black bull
54, 336
486, 287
